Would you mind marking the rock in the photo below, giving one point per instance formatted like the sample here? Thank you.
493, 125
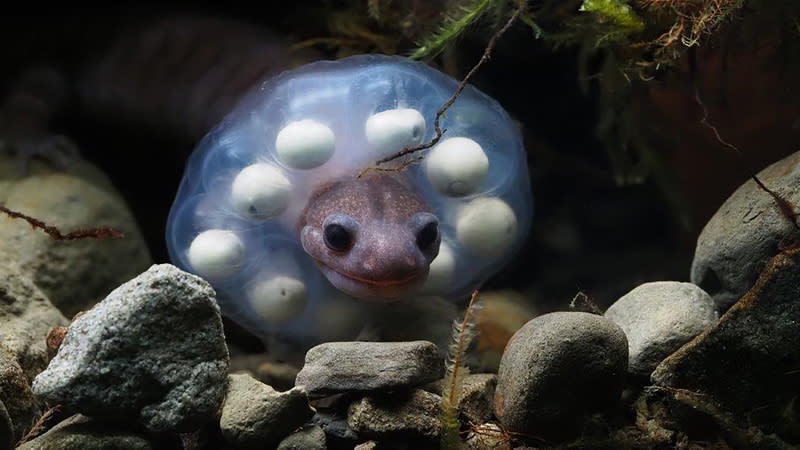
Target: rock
369, 445
15, 394
73, 274
748, 362
658, 318
307, 438
745, 233
256, 416
153, 350
81, 432
400, 415
475, 403
279, 375
335, 367
558, 368
26, 316
487, 435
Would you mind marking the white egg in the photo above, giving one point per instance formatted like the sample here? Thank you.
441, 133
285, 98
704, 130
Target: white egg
486, 226
260, 192
441, 270
216, 254
305, 144
457, 166
392, 130
278, 299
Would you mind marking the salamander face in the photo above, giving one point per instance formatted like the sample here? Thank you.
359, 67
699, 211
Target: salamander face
372, 237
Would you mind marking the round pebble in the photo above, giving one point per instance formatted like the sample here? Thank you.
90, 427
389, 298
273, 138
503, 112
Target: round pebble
305, 144
441, 270
260, 192
557, 369
486, 226
278, 299
394, 129
216, 254
457, 167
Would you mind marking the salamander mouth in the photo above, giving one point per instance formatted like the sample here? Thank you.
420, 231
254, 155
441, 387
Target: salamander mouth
370, 288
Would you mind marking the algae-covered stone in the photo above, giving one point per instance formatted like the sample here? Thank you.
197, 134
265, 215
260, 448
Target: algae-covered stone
748, 362
73, 274
152, 351
15, 394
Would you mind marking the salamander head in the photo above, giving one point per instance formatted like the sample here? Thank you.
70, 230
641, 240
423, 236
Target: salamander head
372, 237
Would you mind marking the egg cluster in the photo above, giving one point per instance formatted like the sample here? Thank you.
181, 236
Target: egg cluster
234, 220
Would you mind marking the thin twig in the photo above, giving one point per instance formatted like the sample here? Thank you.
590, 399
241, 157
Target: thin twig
56, 234
487, 53
39, 425
785, 206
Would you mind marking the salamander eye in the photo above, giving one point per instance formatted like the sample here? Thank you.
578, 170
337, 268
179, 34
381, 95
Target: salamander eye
338, 232
427, 235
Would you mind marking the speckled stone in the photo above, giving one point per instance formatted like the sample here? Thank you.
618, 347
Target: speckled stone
401, 415
152, 351
558, 368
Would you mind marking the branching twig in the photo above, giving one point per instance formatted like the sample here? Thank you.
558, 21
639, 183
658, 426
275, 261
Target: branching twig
56, 234
487, 53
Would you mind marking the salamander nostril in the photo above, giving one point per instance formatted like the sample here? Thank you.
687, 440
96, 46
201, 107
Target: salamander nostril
427, 235
337, 237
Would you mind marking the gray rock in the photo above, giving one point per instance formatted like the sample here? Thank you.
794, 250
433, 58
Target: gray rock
475, 402
400, 415
153, 350
26, 316
256, 416
335, 367
309, 437
745, 233
334, 425
747, 364
73, 274
15, 394
81, 432
558, 368
658, 318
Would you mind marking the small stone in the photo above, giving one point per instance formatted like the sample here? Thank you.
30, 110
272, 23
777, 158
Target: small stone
335, 426
558, 368
487, 435
747, 363
406, 415
256, 416
26, 316
81, 432
309, 437
745, 233
335, 367
152, 351
477, 395
77, 274
658, 318
369, 445
15, 394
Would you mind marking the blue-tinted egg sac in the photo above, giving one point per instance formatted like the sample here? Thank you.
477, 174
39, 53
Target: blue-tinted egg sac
272, 211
